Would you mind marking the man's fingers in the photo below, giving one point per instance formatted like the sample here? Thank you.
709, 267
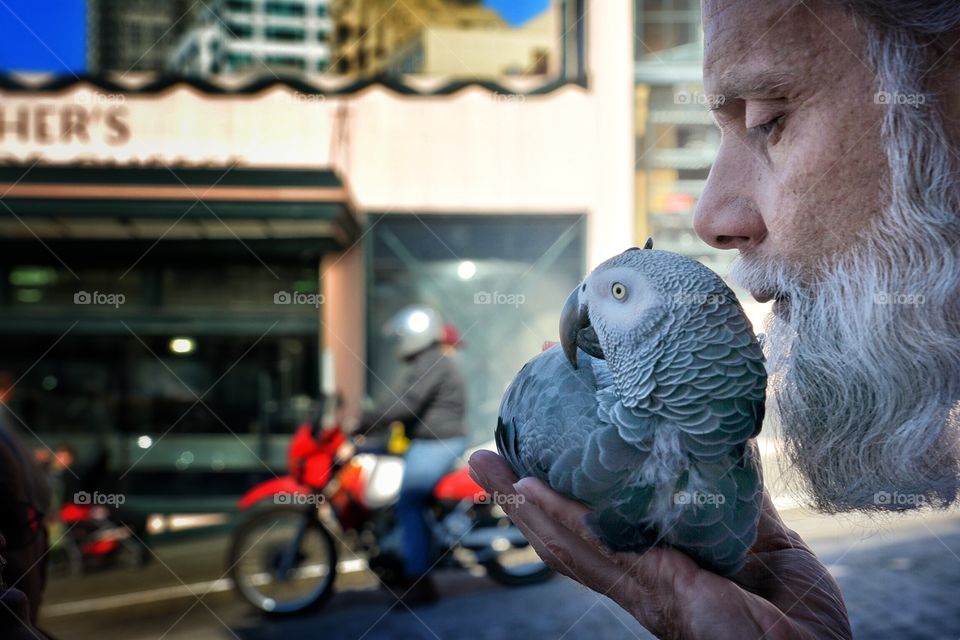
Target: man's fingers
570, 513
492, 472
564, 550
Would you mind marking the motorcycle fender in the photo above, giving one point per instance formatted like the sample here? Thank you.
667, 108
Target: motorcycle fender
270, 488
458, 485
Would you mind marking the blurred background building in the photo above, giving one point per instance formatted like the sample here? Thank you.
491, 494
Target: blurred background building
440, 37
256, 36
193, 256
135, 35
676, 136
354, 156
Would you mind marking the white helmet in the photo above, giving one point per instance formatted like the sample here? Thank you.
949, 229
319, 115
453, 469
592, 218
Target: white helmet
414, 328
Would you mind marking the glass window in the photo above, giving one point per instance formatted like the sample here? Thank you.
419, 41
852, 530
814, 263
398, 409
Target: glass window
284, 34
124, 384
85, 289
277, 8
239, 30
501, 280
245, 6
665, 24
231, 287
281, 62
675, 153
143, 344
239, 60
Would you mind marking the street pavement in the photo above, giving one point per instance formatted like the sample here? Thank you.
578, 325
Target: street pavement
900, 577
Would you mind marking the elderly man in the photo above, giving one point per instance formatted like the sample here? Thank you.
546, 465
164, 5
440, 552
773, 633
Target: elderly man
838, 182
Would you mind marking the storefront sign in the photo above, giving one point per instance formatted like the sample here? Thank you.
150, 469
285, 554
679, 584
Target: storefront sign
44, 123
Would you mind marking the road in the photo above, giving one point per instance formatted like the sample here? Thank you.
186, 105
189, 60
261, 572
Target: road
900, 578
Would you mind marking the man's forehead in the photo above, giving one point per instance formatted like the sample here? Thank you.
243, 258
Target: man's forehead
764, 38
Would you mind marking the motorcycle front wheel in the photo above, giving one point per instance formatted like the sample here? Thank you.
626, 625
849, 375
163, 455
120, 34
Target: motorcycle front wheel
283, 561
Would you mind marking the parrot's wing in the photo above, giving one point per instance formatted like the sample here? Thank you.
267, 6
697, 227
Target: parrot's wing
549, 428
720, 524
710, 383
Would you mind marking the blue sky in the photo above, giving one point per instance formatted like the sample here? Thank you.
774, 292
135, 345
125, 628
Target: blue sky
516, 11
57, 40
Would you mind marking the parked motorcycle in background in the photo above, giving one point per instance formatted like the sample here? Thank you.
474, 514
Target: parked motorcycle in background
284, 555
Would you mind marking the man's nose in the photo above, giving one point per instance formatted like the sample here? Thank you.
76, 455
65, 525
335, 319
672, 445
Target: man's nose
726, 216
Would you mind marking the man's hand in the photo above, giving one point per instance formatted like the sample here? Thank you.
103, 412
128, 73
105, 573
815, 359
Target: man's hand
782, 592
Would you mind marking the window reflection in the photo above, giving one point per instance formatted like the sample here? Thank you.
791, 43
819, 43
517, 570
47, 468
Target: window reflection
500, 280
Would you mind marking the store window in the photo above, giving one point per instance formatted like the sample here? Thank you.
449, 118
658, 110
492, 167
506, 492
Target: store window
500, 280
284, 34
124, 384
276, 8
105, 351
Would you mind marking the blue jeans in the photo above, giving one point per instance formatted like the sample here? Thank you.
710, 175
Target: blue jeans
426, 461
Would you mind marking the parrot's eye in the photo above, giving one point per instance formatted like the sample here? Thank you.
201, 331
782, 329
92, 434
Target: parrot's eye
618, 290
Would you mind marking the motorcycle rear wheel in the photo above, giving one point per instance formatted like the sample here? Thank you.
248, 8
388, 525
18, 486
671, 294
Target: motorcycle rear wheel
511, 575
257, 561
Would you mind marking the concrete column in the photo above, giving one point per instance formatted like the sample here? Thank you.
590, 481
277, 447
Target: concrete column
343, 323
610, 72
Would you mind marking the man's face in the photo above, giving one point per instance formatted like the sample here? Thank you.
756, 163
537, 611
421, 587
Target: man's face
853, 233
800, 164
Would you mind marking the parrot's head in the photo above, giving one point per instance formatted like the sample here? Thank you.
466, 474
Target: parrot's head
633, 303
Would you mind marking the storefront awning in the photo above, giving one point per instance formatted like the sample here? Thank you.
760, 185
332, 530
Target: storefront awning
307, 207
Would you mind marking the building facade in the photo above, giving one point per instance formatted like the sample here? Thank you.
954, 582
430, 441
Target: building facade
492, 52
135, 35
189, 265
370, 33
289, 37
676, 136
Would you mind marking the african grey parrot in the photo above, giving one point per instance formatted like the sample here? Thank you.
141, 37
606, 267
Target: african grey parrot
649, 425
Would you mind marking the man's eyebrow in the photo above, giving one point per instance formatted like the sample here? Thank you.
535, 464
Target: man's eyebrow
735, 85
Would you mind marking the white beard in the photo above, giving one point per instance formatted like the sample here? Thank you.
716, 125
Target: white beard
865, 368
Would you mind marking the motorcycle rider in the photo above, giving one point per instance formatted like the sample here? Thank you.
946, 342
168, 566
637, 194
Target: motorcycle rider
431, 408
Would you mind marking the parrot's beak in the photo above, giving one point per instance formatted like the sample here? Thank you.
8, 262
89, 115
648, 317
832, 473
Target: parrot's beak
576, 330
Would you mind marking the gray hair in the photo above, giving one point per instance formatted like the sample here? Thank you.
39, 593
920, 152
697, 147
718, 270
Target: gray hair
869, 393
906, 41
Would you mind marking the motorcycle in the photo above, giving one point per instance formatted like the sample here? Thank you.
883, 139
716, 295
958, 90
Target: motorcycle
92, 539
284, 556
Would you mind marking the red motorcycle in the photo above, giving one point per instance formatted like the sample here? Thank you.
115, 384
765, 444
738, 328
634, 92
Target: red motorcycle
284, 556
93, 539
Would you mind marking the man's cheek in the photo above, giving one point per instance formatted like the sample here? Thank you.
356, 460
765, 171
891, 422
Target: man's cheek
796, 199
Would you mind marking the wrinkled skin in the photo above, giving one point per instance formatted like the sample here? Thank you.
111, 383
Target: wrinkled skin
801, 164
782, 592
